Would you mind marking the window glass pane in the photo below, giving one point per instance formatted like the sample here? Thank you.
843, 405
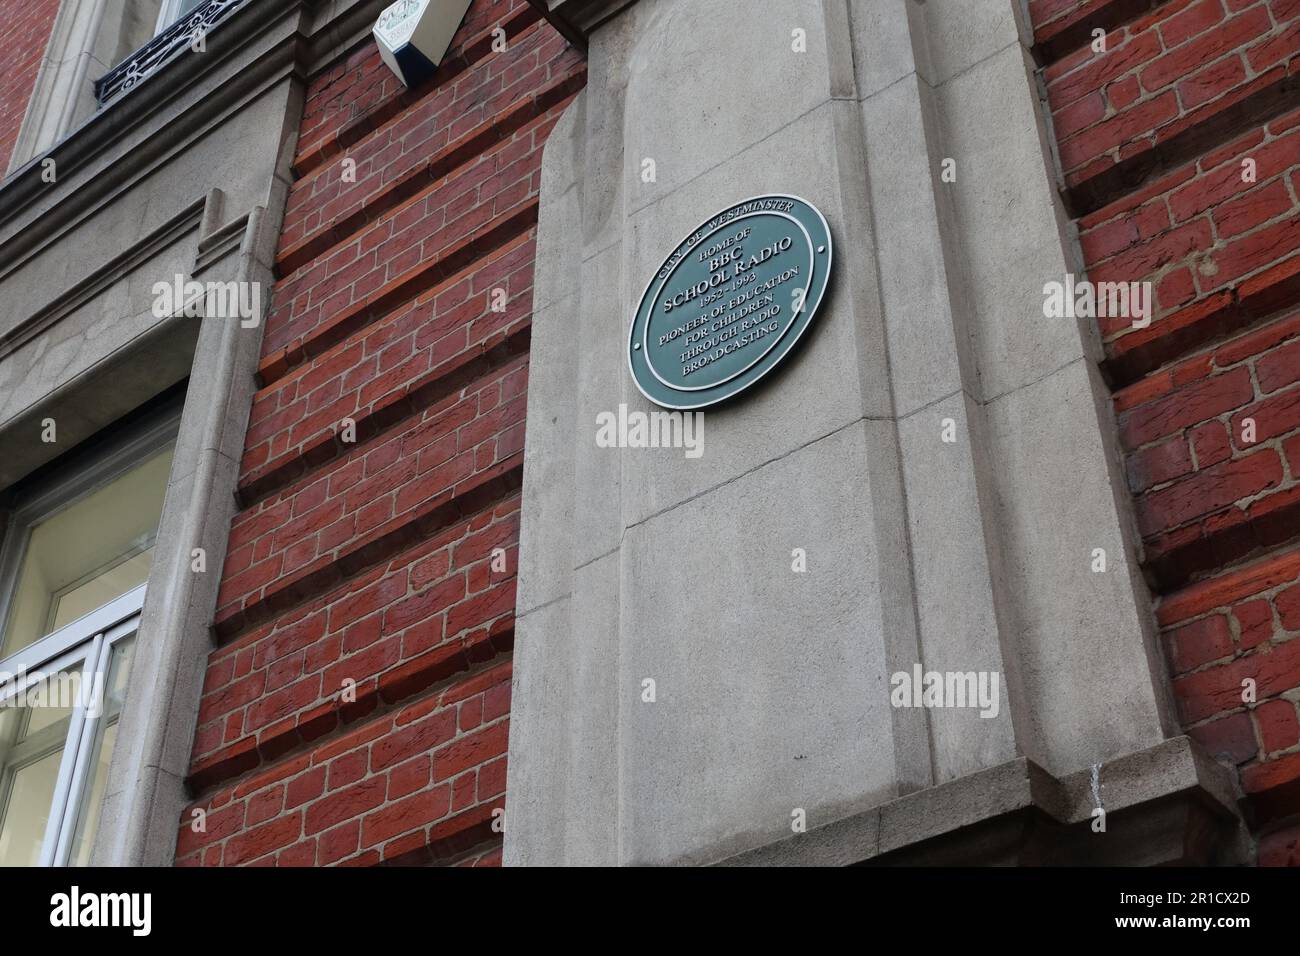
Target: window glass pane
179, 10
81, 599
89, 553
50, 702
139, 23
31, 790
102, 752
32, 739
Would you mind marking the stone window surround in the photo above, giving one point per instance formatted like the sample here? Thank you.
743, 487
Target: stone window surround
87, 36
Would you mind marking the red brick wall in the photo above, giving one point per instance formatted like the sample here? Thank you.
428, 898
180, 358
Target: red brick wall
27, 25
1152, 135
356, 710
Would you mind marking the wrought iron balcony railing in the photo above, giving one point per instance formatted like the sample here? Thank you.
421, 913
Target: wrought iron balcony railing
179, 38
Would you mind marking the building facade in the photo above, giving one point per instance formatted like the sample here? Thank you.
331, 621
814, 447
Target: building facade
327, 541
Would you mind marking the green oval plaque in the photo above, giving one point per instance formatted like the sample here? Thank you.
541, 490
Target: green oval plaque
730, 302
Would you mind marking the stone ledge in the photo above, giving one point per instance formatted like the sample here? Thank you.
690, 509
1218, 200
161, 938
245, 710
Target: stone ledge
1182, 803
575, 19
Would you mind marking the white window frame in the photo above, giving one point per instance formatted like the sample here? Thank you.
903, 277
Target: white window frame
88, 641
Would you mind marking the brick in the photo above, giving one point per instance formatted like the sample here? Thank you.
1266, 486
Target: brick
1199, 643
420, 737
481, 608
1252, 209
1278, 368
1176, 288
1288, 608
1283, 772
492, 779
1224, 265
1284, 10
261, 840
417, 810
1229, 587
1142, 224
349, 802
265, 805
1215, 80
1254, 622
1230, 738
349, 768
472, 749
462, 791
218, 825
1158, 464
1257, 249
1278, 727
1079, 115
1145, 259
1231, 150
470, 714
1184, 59
1044, 11
1210, 691
1136, 121
1209, 490
1257, 342
1291, 450
232, 697
1273, 416
309, 786
496, 701
347, 558
1210, 443
409, 777
463, 830
1194, 20
1276, 49
300, 854
1122, 93
1102, 69
282, 702
338, 842
1280, 848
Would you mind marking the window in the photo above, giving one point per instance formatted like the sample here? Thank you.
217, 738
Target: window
98, 49
73, 571
66, 573
88, 36
58, 725
179, 25
173, 10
